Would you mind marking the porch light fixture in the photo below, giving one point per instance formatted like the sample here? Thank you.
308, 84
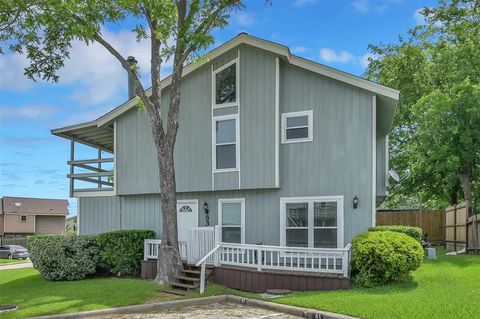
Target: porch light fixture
355, 202
207, 217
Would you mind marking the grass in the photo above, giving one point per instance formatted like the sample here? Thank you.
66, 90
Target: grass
11, 261
448, 287
35, 296
445, 288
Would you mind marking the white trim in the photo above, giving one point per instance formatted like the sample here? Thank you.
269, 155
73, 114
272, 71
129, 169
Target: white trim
374, 159
237, 143
310, 200
277, 120
386, 163
275, 48
237, 84
238, 111
242, 216
93, 194
212, 122
285, 116
115, 158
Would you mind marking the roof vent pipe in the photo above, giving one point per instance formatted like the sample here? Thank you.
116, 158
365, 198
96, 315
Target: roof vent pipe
131, 79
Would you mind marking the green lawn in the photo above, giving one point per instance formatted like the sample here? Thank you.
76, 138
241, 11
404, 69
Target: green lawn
445, 288
35, 296
11, 261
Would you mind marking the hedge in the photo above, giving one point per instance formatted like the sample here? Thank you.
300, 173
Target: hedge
75, 257
382, 257
414, 232
121, 251
63, 257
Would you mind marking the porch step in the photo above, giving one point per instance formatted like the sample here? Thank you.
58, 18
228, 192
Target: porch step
194, 279
176, 292
191, 272
185, 286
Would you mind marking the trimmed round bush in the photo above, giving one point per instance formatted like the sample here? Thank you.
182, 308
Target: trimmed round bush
121, 251
383, 257
63, 257
414, 232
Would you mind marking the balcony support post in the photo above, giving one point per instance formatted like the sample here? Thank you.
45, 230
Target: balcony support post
99, 166
72, 158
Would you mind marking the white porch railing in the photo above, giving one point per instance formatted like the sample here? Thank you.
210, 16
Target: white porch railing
150, 249
202, 241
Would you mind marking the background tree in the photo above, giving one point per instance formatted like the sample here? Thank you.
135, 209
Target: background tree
440, 58
44, 30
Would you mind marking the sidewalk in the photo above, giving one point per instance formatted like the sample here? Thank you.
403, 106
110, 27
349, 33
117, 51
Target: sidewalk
25, 264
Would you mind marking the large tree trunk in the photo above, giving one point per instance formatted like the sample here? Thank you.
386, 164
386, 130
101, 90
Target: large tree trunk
465, 178
169, 262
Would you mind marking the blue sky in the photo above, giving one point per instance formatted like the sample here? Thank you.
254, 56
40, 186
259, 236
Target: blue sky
33, 163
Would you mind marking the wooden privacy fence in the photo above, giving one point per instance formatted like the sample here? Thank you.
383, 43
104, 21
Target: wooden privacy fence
432, 222
462, 231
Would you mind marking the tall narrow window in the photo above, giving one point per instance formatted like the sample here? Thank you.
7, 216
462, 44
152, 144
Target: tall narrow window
297, 127
312, 222
225, 86
231, 218
226, 154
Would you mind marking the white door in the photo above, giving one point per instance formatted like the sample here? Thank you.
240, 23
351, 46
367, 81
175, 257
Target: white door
187, 217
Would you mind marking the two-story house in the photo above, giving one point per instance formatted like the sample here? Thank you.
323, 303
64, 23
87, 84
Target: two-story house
272, 148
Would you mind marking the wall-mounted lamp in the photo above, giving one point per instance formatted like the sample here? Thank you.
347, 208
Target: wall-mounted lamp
207, 217
355, 202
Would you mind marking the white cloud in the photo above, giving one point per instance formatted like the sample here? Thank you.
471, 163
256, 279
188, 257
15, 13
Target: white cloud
328, 55
244, 19
419, 17
298, 49
303, 3
29, 112
94, 75
378, 6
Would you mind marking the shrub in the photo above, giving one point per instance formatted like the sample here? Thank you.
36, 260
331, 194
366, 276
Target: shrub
383, 257
414, 232
63, 257
121, 251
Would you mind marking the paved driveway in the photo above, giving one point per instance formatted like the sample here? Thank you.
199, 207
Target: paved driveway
26, 264
216, 310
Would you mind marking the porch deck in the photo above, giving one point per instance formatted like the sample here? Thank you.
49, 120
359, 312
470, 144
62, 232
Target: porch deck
257, 268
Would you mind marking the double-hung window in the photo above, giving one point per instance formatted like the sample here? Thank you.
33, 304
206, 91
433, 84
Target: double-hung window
225, 85
312, 222
297, 127
231, 218
225, 138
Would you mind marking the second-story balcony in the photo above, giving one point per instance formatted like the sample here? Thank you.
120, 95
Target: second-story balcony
92, 160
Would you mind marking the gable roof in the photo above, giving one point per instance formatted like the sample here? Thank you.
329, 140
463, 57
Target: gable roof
388, 96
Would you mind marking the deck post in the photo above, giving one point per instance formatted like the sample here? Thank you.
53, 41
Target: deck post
202, 278
345, 263
216, 257
259, 259
72, 158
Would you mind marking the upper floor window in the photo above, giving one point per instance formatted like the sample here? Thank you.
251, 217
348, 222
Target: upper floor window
297, 127
225, 84
226, 142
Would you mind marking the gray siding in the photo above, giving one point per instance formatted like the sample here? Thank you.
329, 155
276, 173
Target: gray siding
337, 162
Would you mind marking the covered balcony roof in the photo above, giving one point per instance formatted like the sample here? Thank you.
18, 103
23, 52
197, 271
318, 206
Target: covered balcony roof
90, 134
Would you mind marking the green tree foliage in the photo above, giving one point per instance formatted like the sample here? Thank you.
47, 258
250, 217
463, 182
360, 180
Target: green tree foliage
434, 142
44, 30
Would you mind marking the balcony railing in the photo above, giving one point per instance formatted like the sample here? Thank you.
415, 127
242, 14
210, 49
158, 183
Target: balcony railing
102, 179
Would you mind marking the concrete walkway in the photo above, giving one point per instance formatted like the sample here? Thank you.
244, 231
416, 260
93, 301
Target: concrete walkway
25, 264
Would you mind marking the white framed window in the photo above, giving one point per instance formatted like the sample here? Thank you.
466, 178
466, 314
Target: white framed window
226, 143
315, 222
231, 219
297, 127
225, 85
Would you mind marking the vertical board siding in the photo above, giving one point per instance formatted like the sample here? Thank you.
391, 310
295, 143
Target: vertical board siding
381, 166
337, 162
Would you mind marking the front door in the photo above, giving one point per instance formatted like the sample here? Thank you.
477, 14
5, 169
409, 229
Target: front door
187, 217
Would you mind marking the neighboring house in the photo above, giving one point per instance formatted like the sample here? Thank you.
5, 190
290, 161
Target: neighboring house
71, 226
23, 216
273, 148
